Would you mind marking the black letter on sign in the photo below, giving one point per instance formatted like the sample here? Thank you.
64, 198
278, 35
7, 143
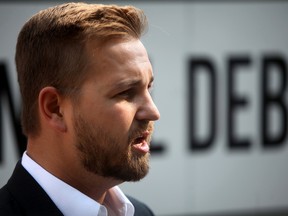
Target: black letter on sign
277, 98
5, 90
194, 65
235, 102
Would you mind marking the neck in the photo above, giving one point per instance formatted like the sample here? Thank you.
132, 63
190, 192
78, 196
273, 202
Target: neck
70, 170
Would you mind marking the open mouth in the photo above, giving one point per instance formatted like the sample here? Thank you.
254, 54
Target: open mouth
140, 144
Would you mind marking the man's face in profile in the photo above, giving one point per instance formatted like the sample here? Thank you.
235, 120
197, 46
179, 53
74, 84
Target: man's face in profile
113, 119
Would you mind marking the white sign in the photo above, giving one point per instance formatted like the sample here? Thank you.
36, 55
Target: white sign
221, 86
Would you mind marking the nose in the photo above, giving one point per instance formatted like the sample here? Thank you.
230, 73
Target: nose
147, 109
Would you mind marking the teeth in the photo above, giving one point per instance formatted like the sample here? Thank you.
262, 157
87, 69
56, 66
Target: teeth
142, 137
139, 139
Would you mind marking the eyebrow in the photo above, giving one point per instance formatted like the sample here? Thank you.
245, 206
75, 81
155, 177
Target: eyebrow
130, 83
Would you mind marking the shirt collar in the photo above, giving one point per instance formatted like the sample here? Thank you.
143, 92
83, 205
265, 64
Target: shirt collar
72, 202
120, 203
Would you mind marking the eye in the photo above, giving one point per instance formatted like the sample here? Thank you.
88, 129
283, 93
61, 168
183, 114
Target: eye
128, 94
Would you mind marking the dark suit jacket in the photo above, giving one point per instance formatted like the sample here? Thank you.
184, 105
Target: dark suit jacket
22, 195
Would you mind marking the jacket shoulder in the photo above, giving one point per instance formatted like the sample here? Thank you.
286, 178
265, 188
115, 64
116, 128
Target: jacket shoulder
141, 209
22, 195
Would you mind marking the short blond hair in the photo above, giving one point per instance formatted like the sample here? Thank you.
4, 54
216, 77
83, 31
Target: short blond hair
50, 49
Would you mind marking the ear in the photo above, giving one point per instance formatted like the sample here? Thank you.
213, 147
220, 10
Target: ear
50, 108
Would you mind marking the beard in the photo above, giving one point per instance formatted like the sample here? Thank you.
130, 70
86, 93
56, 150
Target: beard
110, 156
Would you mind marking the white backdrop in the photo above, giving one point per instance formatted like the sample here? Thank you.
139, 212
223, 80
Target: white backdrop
182, 181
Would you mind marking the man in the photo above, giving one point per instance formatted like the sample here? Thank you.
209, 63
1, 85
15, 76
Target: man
85, 81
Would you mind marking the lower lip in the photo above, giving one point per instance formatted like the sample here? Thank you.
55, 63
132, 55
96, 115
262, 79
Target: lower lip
142, 147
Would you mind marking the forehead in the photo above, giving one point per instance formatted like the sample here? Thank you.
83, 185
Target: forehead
119, 59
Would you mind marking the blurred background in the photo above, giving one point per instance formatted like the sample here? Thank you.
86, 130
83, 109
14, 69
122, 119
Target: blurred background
221, 145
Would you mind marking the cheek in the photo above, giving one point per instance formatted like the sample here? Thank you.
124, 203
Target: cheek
111, 115
121, 117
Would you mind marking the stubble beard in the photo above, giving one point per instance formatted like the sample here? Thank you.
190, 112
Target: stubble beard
105, 155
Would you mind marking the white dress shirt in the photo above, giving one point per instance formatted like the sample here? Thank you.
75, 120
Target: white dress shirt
72, 202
